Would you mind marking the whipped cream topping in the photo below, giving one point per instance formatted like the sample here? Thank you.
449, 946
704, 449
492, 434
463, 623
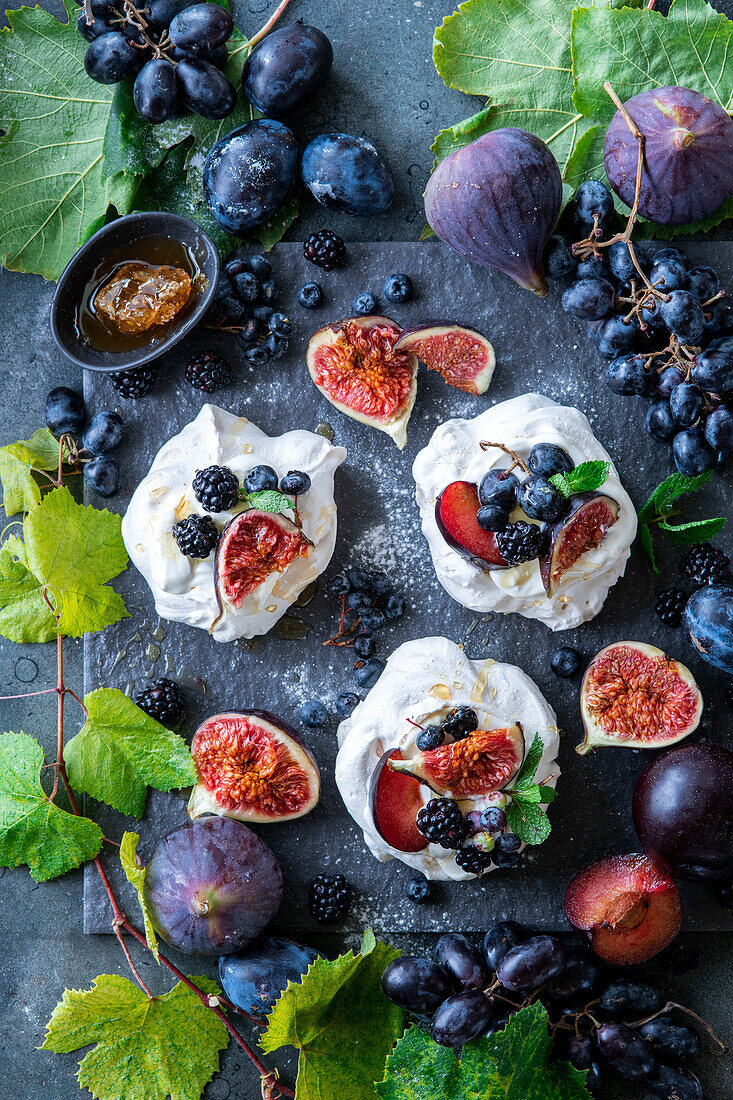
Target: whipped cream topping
183, 587
422, 681
454, 454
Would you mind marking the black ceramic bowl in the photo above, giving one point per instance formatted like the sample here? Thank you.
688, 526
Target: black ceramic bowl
81, 268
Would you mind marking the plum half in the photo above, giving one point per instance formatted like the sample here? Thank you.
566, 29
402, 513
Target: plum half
212, 886
394, 800
455, 515
628, 908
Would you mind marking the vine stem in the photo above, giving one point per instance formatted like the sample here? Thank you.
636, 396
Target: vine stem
269, 24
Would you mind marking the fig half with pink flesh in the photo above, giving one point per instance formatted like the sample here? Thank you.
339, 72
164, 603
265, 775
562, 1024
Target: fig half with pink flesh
252, 546
461, 355
394, 800
455, 515
582, 529
479, 764
635, 696
355, 365
253, 767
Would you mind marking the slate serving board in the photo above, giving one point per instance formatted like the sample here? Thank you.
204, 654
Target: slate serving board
538, 348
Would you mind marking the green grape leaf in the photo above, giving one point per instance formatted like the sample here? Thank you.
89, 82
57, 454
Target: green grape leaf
120, 751
135, 875
144, 1048
696, 531
53, 120
74, 550
34, 831
527, 819
341, 1023
512, 1064
21, 492
24, 614
583, 479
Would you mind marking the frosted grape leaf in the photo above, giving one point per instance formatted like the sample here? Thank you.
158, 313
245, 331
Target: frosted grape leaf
34, 831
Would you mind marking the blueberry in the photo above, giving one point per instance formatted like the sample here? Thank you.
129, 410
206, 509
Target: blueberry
539, 499
103, 476
691, 453
263, 313
339, 585
363, 645
380, 584
507, 843
103, 434
490, 517
295, 482
310, 296
558, 259
686, 403
365, 304
500, 488
257, 355
565, 662
548, 459
246, 286
373, 619
504, 860
432, 737
592, 201
280, 325
260, 478
313, 713
64, 411
369, 673
395, 606
398, 288
418, 888
493, 819
346, 703
660, 423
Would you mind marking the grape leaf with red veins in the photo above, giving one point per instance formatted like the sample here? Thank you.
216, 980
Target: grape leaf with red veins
340, 1022
24, 614
144, 1048
120, 751
512, 1064
135, 875
21, 491
74, 550
34, 831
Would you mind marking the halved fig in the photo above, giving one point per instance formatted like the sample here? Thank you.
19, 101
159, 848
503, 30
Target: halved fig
252, 546
635, 696
394, 799
354, 364
582, 529
455, 515
253, 767
628, 908
479, 764
463, 356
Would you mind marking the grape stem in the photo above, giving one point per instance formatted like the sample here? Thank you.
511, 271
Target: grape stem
719, 1047
485, 445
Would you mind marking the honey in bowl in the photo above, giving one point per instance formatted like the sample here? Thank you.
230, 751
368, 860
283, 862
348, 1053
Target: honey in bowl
138, 294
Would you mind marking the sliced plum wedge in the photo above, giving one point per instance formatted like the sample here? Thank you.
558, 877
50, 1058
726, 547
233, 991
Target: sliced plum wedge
455, 515
394, 800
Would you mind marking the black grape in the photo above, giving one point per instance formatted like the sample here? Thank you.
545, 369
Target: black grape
461, 961
156, 91
416, 983
625, 1051
461, 1018
200, 28
110, 58
501, 938
532, 963
162, 12
204, 89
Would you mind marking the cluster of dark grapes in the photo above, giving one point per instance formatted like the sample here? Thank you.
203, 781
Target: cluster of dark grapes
599, 1021
665, 326
66, 414
175, 49
244, 303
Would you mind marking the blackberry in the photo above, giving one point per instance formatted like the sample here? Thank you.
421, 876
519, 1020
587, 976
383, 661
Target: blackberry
442, 822
706, 564
520, 542
473, 860
418, 889
216, 488
196, 536
207, 371
325, 249
133, 383
430, 738
459, 722
162, 700
670, 605
328, 898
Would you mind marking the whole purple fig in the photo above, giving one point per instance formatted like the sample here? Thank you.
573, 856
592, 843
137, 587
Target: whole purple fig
688, 155
496, 201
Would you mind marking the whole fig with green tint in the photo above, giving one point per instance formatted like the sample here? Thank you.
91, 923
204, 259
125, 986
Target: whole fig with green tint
496, 201
688, 155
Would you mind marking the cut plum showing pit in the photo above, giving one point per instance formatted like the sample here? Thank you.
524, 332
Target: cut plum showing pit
455, 515
394, 800
355, 365
583, 529
480, 764
252, 767
252, 546
461, 355
635, 696
628, 908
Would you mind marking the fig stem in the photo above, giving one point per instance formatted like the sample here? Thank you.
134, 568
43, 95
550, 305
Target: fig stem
485, 445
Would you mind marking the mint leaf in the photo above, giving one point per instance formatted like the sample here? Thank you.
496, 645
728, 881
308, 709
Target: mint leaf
33, 830
21, 491
666, 493
54, 119
583, 479
645, 541
513, 1064
73, 550
24, 614
531, 761
135, 875
527, 820
120, 751
341, 1023
547, 794
268, 500
144, 1049
697, 530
